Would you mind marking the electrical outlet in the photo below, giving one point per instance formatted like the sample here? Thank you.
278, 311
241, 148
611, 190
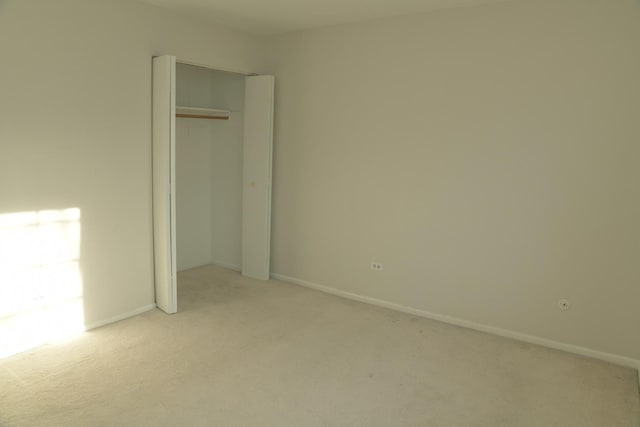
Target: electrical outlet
376, 266
563, 304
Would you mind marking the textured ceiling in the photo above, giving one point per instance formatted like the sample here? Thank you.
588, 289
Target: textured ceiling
266, 17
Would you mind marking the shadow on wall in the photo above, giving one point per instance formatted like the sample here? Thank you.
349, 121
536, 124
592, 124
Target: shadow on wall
41, 288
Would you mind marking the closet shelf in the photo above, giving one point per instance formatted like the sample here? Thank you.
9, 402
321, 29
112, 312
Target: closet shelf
202, 113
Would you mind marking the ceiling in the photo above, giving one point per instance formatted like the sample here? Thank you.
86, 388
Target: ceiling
267, 17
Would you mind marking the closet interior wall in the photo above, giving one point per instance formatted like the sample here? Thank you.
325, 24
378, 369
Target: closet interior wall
209, 158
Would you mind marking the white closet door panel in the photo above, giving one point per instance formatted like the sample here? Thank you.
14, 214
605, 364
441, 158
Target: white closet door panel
164, 204
256, 192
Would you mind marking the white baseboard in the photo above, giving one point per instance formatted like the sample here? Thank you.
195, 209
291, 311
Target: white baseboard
227, 265
122, 316
190, 266
217, 263
583, 351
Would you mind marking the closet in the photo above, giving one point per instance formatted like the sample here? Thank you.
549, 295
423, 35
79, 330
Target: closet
212, 143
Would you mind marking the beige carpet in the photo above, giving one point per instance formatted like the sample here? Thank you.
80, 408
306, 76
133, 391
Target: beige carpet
249, 353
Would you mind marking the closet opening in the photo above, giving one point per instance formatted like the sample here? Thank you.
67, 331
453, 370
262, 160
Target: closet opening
209, 167
212, 144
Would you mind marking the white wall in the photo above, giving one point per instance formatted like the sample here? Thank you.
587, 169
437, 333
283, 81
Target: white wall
193, 170
227, 163
487, 156
226, 237
209, 169
75, 120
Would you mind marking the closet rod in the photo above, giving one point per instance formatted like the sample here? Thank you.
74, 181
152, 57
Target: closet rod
198, 116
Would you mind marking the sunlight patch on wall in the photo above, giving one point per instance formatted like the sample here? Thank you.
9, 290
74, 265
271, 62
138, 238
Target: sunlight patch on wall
40, 278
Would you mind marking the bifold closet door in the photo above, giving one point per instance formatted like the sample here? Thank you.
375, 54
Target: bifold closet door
256, 192
164, 183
